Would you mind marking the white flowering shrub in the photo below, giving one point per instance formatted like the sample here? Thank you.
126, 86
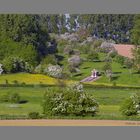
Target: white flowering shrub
54, 71
68, 102
16, 64
78, 87
131, 106
1, 69
106, 47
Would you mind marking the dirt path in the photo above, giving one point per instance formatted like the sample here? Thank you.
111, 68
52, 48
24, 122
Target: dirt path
90, 79
68, 123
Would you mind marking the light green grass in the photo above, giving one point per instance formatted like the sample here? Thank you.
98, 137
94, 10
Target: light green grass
123, 76
109, 101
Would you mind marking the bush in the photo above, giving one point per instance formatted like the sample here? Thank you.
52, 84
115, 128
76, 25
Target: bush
54, 71
84, 49
11, 98
33, 115
68, 102
93, 55
61, 45
72, 69
75, 61
106, 67
106, 47
38, 69
15, 82
120, 59
49, 59
128, 63
68, 50
112, 54
16, 64
131, 106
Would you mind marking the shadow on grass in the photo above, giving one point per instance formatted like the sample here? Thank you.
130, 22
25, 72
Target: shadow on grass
23, 102
79, 74
117, 72
115, 77
86, 67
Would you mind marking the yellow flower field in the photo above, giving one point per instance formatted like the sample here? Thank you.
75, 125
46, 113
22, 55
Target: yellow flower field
27, 79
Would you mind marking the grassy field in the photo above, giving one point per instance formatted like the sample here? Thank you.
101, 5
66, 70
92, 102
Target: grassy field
26, 78
109, 100
29, 79
122, 75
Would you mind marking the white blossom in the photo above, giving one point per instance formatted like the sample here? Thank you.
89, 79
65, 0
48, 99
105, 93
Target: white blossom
54, 71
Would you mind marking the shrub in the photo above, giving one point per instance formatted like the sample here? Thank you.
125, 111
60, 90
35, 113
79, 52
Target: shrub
8, 65
108, 70
60, 83
1, 69
68, 50
128, 63
15, 82
83, 33
68, 102
49, 59
97, 43
16, 64
61, 45
72, 69
11, 98
78, 87
6, 82
93, 55
106, 67
38, 69
33, 115
131, 106
112, 54
75, 61
14, 98
120, 59
54, 71
106, 47
84, 49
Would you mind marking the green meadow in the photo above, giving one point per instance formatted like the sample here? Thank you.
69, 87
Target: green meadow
109, 101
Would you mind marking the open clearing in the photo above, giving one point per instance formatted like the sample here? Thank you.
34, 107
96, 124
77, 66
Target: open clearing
124, 50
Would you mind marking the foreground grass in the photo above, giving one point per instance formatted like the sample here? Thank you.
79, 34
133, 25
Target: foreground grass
109, 101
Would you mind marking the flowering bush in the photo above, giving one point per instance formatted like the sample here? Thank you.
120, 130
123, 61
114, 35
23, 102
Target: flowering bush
54, 71
106, 47
1, 69
131, 106
76, 87
16, 64
68, 102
